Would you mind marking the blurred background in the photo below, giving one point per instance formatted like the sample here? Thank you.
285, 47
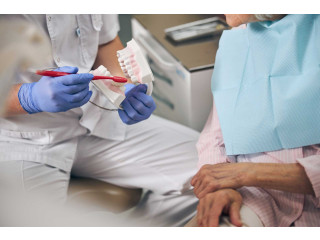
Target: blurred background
125, 33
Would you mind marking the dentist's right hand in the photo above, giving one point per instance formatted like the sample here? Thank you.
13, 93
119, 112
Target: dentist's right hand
56, 94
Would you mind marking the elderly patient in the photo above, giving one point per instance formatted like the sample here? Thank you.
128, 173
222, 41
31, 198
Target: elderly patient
259, 152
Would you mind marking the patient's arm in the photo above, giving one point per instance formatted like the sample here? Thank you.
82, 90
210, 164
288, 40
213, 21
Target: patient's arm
285, 177
210, 146
311, 165
279, 176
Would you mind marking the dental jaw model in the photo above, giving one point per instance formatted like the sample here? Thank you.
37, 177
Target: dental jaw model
112, 90
134, 66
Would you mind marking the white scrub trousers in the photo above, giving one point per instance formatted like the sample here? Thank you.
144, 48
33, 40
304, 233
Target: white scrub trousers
157, 155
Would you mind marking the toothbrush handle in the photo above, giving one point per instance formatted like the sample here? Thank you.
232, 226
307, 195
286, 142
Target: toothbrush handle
60, 74
114, 78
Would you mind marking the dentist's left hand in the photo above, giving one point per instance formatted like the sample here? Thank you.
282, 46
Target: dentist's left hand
137, 106
56, 94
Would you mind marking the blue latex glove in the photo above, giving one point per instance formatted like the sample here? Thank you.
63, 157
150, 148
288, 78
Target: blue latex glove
56, 94
137, 105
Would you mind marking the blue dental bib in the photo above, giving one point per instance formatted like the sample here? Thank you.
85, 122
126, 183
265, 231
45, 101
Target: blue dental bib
266, 85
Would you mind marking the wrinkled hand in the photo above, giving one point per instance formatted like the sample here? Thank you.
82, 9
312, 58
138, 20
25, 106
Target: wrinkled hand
214, 204
211, 178
56, 94
137, 106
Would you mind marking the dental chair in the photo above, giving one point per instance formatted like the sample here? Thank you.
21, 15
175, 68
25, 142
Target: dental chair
96, 195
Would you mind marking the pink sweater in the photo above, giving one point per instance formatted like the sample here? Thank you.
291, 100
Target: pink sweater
274, 208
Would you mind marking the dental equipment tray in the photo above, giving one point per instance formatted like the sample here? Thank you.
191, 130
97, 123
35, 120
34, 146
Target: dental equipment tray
193, 30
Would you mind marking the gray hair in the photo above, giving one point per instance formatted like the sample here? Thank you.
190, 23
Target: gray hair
265, 17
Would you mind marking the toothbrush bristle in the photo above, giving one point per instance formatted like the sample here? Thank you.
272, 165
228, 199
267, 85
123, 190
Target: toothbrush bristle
117, 84
129, 67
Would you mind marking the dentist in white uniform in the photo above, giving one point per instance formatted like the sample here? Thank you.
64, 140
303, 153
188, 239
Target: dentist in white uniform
43, 142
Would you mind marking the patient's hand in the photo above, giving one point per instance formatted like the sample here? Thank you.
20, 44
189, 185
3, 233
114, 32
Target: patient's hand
289, 177
211, 178
212, 205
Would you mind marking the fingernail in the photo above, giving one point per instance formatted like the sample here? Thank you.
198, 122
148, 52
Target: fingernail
88, 75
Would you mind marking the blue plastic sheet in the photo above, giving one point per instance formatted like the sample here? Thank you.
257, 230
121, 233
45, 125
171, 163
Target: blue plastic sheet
266, 85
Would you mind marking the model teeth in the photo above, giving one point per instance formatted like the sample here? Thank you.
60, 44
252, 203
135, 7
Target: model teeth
104, 72
133, 64
134, 79
128, 64
117, 84
129, 68
127, 75
130, 72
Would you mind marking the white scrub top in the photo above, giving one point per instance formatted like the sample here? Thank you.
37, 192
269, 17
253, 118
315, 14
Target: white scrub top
52, 137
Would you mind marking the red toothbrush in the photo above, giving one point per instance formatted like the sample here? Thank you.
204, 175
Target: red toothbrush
59, 74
